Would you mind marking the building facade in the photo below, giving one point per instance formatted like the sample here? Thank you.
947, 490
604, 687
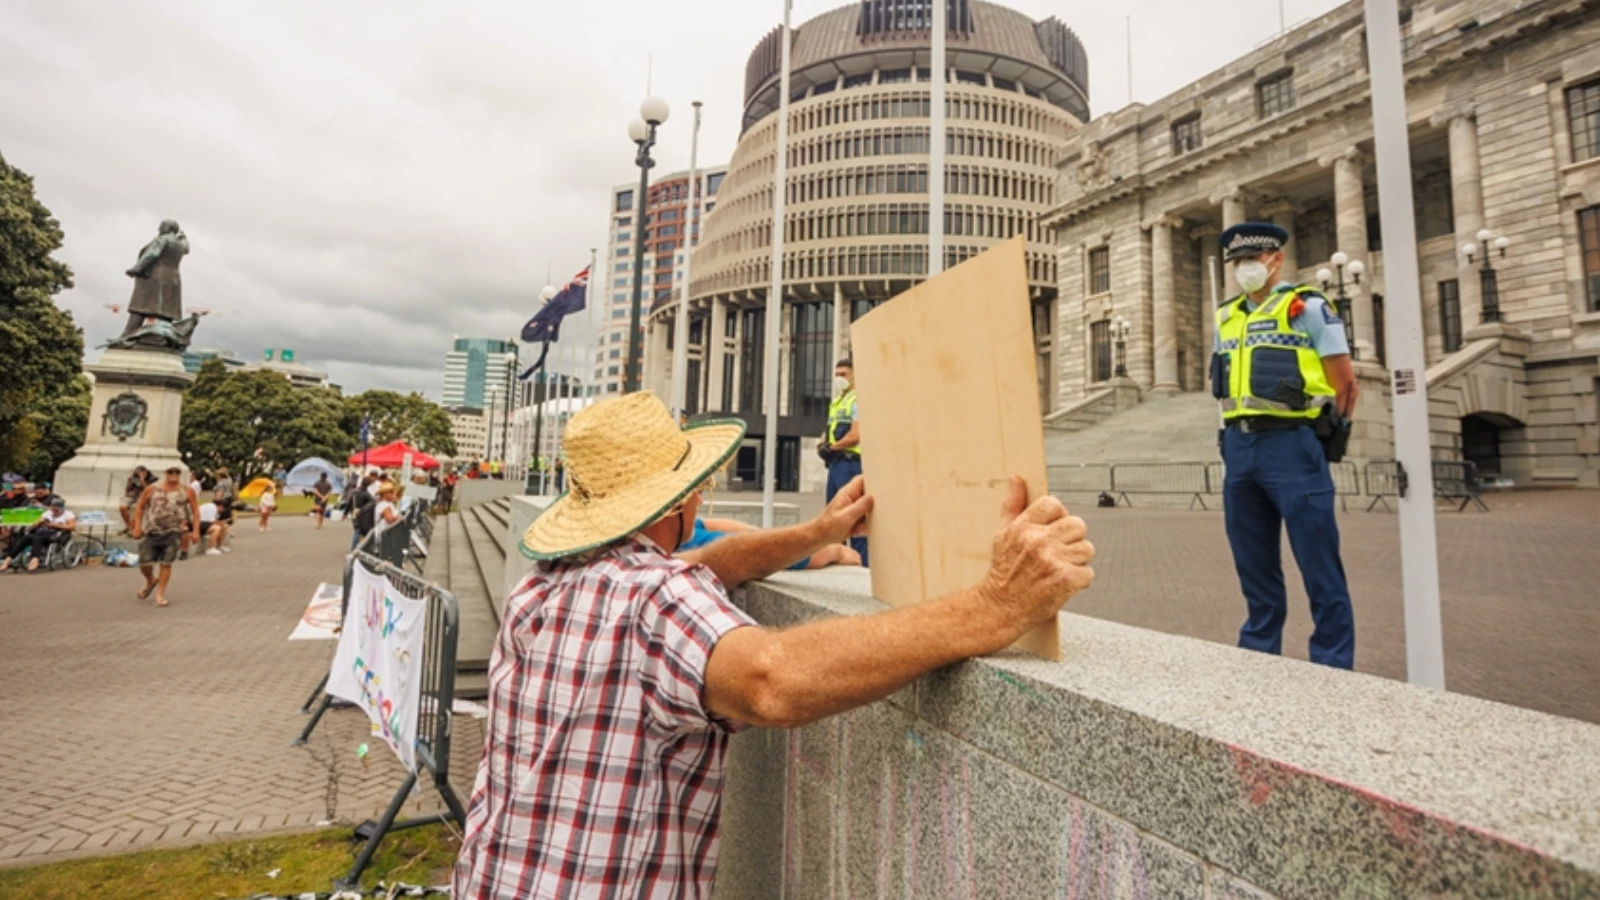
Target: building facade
469, 426
856, 225
476, 369
194, 359
670, 229
1504, 106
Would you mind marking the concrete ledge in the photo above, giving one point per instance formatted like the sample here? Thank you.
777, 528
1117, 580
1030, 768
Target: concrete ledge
1154, 766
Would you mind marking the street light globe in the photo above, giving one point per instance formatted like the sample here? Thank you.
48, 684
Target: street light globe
1341, 259
1469, 249
1501, 243
548, 293
638, 131
1325, 276
653, 110
1485, 236
1358, 269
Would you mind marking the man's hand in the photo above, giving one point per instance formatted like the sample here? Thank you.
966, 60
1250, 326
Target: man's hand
1041, 559
136, 532
846, 516
194, 536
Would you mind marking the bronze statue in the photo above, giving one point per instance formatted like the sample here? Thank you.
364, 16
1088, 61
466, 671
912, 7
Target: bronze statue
155, 313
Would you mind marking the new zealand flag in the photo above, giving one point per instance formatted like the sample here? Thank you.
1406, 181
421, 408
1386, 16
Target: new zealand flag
545, 327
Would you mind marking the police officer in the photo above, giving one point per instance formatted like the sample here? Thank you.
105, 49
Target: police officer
1282, 372
840, 447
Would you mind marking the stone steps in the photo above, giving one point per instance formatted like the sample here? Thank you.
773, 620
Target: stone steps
1172, 429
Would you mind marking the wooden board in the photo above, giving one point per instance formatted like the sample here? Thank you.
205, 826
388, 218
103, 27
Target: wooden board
947, 387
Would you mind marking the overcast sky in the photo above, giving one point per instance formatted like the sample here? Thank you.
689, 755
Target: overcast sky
363, 180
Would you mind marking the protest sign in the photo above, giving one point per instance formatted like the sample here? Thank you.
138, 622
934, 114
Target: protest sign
320, 621
378, 665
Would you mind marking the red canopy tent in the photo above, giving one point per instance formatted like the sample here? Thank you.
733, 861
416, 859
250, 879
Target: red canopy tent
393, 456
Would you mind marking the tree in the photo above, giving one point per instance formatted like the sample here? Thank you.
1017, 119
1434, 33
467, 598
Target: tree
59, 429
255, 422
41, 346
412, 418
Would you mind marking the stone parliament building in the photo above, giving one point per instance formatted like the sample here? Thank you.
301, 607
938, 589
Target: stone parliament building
1504, 103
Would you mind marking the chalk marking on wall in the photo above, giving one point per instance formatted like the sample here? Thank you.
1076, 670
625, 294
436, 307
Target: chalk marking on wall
1022, 686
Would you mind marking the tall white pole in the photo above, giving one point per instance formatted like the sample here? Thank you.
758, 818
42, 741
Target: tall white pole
1419, 551
1130, 60
680, 353
769, 377
936, 139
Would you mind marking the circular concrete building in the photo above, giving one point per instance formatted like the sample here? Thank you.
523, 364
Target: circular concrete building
856, 224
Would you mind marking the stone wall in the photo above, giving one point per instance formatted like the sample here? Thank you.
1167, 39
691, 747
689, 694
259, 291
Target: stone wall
1151, 766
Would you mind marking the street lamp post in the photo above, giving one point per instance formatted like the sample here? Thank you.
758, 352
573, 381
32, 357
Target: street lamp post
1120, 327
539, 391
652, 112
1488, 278
1334, 280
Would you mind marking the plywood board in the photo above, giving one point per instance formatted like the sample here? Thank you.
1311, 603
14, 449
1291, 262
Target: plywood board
947, 387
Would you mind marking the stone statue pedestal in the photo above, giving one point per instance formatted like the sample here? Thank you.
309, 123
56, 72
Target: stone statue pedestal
133, 420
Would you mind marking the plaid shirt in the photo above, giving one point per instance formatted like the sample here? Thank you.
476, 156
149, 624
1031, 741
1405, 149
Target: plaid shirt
602, 771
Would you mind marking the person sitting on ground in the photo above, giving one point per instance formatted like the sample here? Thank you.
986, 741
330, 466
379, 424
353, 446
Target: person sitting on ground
620, 671
268, 503
708, 530
320, 493
135, 486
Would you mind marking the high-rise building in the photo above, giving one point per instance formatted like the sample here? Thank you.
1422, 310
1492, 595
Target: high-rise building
478, 368
469, 427
856, 226
670, 228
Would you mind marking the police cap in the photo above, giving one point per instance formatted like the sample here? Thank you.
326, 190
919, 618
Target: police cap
1251, 239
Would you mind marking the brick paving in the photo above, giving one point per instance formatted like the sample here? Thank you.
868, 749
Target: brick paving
127, 726
1520, 591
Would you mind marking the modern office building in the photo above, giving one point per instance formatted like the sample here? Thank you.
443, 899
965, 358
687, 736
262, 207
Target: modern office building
856, 227
469, 426
669, 229
473, 366
194, 359
299, 375
1504, 103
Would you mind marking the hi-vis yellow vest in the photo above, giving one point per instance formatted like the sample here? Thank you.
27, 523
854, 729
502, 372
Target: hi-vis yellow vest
841, 415
1266, 367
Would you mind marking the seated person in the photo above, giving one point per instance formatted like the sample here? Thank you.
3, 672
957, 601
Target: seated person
54, 527
709, 530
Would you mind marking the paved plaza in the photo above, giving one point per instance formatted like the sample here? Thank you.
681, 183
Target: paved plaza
128, 726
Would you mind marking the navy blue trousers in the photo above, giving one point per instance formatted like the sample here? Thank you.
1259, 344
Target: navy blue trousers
840, 474
1276, 479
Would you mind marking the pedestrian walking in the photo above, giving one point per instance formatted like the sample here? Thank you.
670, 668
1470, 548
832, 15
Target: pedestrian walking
620, 671
166, 512
840, 447
1283, 374
268, 503
320, 493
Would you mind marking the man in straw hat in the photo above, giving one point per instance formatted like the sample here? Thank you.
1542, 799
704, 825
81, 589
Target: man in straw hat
620, 670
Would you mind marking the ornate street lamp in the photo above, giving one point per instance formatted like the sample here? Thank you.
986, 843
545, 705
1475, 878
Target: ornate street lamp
1487, 277
539, 391
642, 131
1334, 280
1120, 328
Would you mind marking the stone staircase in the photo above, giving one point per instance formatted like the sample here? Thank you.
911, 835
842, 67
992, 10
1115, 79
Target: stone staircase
1172, 429
469, 561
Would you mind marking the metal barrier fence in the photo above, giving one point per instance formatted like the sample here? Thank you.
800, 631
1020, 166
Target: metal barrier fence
434, 718
1452, 481
1178, 479
1080, 479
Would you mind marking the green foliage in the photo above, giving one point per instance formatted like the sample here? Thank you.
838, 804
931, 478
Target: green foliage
401, 417
59, 429
40, 346
254, 422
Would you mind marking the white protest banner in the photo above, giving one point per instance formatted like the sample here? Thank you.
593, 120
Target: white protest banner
320, 621
378, 665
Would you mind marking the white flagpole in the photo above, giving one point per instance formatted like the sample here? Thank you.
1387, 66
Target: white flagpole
936, 139
1419, 548
769, 386
680, 353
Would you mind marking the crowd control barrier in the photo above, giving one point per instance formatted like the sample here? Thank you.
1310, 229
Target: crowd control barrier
1173, 479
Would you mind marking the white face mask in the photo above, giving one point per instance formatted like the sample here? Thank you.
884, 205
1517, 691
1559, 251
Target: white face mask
840, 384
1252, 275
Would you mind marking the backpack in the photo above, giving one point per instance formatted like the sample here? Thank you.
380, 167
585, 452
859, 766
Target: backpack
367, 517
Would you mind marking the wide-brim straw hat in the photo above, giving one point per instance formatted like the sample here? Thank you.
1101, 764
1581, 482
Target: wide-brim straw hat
627, 465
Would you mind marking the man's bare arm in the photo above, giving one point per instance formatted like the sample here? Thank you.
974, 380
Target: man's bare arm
851, 439
136, 521
1341, 374
754, 555
785, 679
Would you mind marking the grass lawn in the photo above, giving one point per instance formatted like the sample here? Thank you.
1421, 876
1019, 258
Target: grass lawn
306, 862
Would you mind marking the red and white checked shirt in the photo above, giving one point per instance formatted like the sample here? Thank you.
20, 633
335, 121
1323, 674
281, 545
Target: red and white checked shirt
602, 772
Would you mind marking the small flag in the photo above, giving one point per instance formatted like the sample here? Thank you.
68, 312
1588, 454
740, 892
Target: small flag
545, 327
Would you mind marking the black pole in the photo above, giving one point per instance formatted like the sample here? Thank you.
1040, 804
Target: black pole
538, 430
644, 162
1122, 358
505, 422
1490, 282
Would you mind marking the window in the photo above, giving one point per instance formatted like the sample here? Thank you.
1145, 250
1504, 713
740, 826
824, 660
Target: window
625, 221
730, 326
1450, 314
970, 78
811, 359
621, 282
851, 81
1100, 349
894, 76
1275, 95
668, 215
751, 352
1100, 270
1589, 229
614, 353
1583, 108
624, 236
727, 380
697, 331
713, 182
620, 313
624, 201
613, 370
1186, 135
1005, 84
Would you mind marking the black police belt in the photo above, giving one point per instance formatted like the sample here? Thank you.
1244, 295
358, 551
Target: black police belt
1259, 424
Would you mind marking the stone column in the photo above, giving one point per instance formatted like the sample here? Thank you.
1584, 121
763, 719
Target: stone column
1280, 212
1350, 205
1164, 307
1466, 196
716, 351
1233, 213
